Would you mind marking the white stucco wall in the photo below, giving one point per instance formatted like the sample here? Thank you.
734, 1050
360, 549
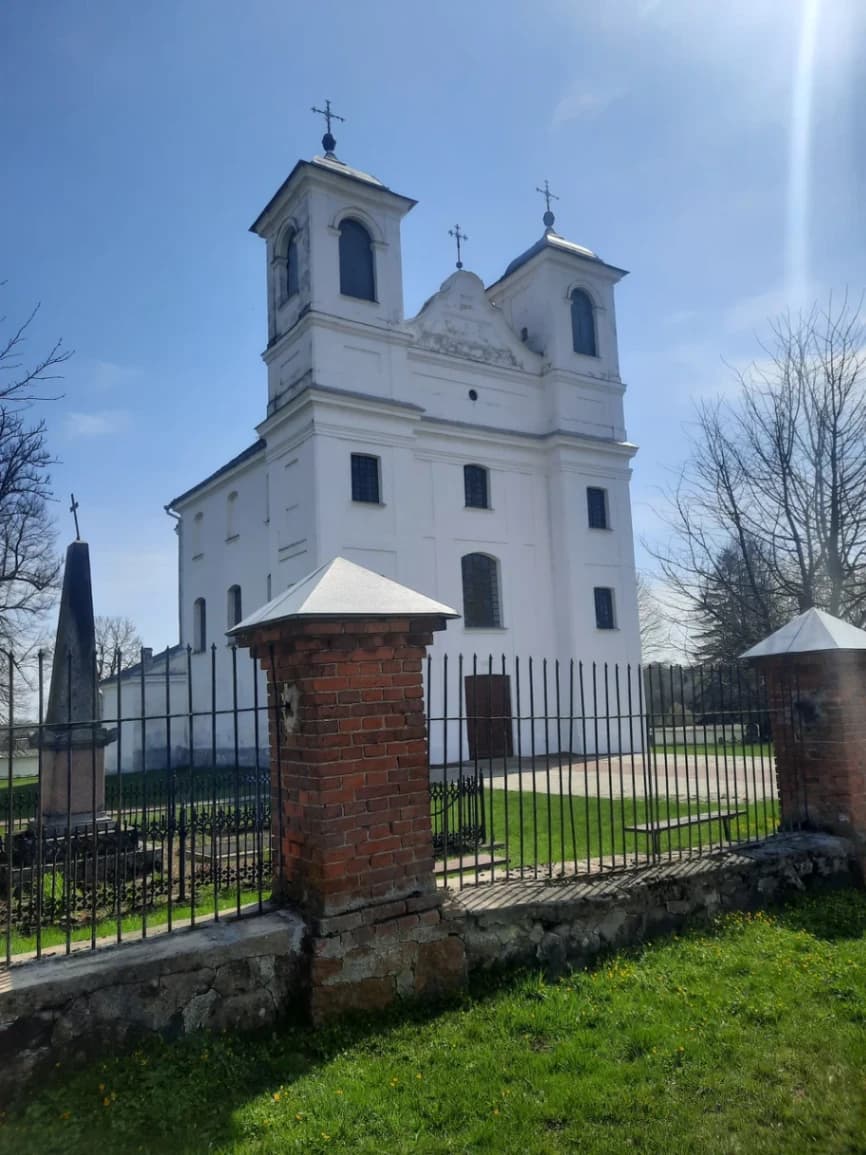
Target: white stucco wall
458, 384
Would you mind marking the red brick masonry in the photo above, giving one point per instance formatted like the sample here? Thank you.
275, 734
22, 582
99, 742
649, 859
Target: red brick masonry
351, 801
818, 707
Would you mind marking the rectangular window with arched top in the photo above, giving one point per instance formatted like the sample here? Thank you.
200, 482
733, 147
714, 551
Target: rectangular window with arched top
199, 625
481, 602
235, 612
476, 487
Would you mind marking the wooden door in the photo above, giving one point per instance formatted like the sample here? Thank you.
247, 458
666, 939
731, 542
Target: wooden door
488, 715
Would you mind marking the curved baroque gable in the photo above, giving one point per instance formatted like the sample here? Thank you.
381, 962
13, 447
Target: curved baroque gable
460, 321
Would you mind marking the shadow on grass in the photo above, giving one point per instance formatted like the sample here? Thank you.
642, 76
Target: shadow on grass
831, 913
184, 1095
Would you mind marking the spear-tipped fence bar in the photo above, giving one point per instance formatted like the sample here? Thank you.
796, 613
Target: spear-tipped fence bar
546, 769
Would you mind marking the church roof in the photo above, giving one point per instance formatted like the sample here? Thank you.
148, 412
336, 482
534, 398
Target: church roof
552, 240
327, 164
814, 631
342, 589
245, 455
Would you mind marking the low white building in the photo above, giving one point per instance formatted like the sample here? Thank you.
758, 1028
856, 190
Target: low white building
476, 452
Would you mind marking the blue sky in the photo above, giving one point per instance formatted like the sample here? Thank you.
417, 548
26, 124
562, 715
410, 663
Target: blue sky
717, 151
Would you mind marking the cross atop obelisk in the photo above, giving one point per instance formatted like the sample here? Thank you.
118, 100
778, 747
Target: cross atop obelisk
329, 143
73, 509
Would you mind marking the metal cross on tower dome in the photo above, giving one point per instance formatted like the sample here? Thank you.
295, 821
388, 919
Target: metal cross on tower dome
328, 141
548, 217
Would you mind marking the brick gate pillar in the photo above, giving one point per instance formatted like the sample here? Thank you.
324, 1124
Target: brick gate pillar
815, 668
344, 651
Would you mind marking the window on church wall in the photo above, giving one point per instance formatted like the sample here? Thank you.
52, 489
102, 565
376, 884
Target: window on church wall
231, 515
596, 507
199, 625
197, 524
476, 487
234, 606
366, 484
481, 601
291, 265
583, 324
357, 277
604, 610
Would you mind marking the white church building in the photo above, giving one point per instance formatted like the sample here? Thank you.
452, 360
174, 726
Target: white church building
475, 452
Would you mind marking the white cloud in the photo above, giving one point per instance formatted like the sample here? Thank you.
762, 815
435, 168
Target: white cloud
108, 375
584, 103
107, 422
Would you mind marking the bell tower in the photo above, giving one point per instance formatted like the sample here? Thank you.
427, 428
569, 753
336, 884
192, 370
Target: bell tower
333, 263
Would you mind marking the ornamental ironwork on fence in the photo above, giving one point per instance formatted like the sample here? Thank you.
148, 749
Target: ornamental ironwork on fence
545, 770
176, 829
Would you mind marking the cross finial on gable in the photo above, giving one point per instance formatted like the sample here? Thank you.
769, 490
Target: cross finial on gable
328, 141
459, 237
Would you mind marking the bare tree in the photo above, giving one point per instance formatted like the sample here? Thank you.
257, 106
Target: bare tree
769, 515
118, 646
654, 625
29, 565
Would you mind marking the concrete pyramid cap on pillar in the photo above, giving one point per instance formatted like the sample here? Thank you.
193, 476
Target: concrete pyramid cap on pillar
814, 631
342, 589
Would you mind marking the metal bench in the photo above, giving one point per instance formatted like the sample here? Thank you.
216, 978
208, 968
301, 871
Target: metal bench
655, 829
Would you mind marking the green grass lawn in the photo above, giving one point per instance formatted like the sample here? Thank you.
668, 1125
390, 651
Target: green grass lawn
557, 828
709, 748
134, 926
749, 1037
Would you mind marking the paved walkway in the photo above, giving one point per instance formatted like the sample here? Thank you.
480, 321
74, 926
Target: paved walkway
680, 777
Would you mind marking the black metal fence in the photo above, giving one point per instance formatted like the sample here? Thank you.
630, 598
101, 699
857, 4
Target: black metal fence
538, 769
545, 769
181, 830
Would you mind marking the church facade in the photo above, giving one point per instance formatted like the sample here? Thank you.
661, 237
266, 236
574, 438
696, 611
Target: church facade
476, 452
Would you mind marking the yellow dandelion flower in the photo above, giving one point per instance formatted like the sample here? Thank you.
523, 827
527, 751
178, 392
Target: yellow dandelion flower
276, 1096
495, 1110
338, 1092
106, 1102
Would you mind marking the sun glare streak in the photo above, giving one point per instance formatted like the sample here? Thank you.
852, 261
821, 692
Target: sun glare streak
799, 182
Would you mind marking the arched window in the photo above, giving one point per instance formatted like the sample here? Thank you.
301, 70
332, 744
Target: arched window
231, 515
582, 324
291, 259
475, 487
197, 523
356, 261
234, 606
481, 608
199, 625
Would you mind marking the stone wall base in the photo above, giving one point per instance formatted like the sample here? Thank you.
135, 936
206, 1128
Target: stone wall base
555, 925
369, 958
237, 975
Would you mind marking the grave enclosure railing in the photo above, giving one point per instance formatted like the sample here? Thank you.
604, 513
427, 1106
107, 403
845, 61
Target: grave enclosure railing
538, 769
181, 831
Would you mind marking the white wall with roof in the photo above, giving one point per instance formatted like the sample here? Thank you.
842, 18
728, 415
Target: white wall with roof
480, 376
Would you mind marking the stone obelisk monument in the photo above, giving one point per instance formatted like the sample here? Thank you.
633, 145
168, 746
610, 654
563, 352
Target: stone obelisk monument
72, 737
